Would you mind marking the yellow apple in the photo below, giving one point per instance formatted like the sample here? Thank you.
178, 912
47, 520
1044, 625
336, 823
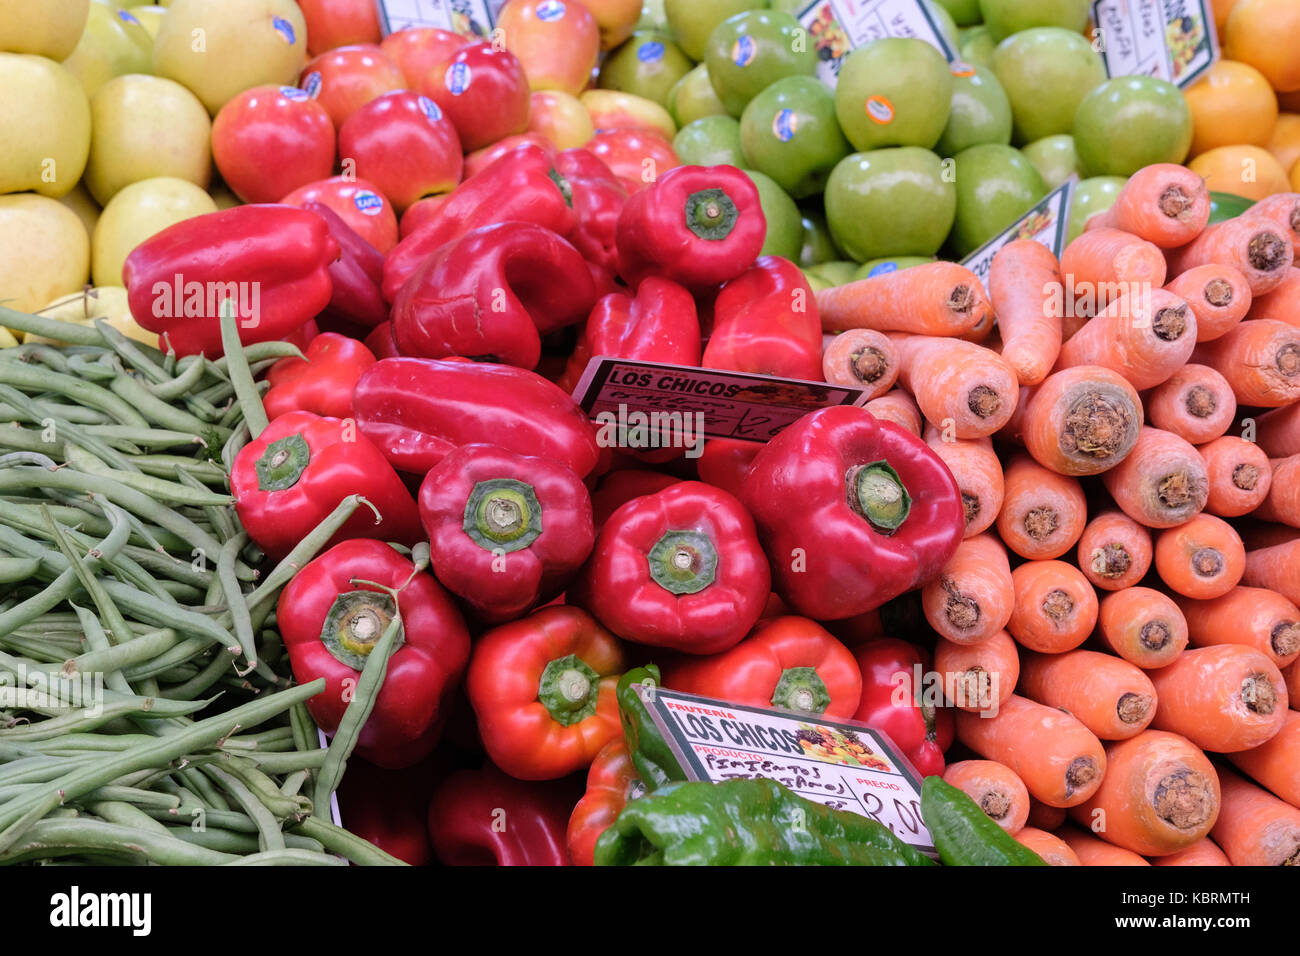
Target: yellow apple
45, 27
147, 126
80, 201
44, 126
137, 212
113, 43
151, 18
219, 48
44, 251
105, 302
610, 109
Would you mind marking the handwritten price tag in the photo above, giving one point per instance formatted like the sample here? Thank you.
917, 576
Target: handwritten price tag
1048, 222
1171, 40
838, 26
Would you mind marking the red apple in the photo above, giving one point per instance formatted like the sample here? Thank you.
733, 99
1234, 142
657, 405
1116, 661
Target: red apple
482, 158
359, 202
405, 144
636, 156
558, 42
417, 50
270, 140
346, 79
419, 213
616, 19
336, 23
484, 91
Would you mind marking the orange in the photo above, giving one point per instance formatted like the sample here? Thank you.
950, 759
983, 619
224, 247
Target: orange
1243, 170
1295, 178
1221, 10
1231, 104
1285, 143
1266, 34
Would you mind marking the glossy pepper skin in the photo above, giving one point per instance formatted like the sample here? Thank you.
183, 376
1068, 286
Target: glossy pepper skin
697, 225
598, 198
878, 512
892, 702
507, 532
271, 260
288, 479
619, 487
789, 662
963, 834
521, 186
390, 807
766, 321
754, 822
331, 619
543, 690
725, 462
417, 410
322, 382
652, 758
491, 294
485, 818
356, 274
611, 783
681, 568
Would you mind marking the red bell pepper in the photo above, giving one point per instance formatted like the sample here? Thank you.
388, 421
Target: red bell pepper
619, 487
788, 662
636, 156
320, 383
681, 568
852, 511
521, 186
598, 198
507, 532
480, 159
697, 225
543, 691
331, 615
893, 702
725, 462
417, 410
288, 479
612, 782
492, 294
355, 276
390, 808
380, 341
484, 818
271, 261
765, 320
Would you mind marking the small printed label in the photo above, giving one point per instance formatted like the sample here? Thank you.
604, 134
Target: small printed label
371, 204
882, 268
284, 28
550, 10
961, 69
651, 52
127, 17
457, 78
1047, 223
311, 85
429, 108
784, 124
879, 110
743, 50
1171, 40
295, 94
837, 27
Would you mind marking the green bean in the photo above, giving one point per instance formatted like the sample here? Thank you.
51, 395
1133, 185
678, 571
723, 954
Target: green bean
164, 466
184, 651
346, 844
98, 643
218, 515
157, 488
235, 597
13, 435
196, 813
26, 517
114, 659
13, 570
241, 377
134, 796
208, 675
60, 837
56, 329
204, 788
69, 431
91, 371
84, 720
269, 836
39, 352
132, 353
83, 393
148, 437
158, 412
256, 352
53, 595
115, 624
124, 814
306, 549
292, 762
287, 858
180, 385
246, 771
164, 564
228, 841
230, 450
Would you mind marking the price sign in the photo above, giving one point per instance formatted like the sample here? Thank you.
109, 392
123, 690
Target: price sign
468, 17
837, 26
1172, 40
1047, 223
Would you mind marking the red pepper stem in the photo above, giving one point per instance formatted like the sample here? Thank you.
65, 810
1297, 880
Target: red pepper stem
801, 689
354, 625
879, 495
283, 463
569, 689
503, 514
683, 562
711, 214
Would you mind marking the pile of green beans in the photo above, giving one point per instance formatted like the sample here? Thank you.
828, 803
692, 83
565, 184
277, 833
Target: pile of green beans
147, 708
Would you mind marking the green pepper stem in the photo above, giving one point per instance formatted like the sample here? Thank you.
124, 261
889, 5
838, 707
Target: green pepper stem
283, 463
801, 689
711, 214
683, 562
569, 689
879, 495
503, 513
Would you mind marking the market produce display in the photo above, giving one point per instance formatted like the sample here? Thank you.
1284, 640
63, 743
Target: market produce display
390, 410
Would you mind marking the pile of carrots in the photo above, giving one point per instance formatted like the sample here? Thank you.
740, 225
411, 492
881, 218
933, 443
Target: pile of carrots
1124, 426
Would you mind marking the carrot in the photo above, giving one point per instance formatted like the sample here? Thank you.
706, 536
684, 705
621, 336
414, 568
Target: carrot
1145, 336
934, 298
958, 385
1239, 476
1162, 483
1195, 403
970, 599
1114, 551
1053, 850
1255, 828
978, 677
1143, 626
1094, 852
1283, 303
1222, 698
1255, 246
1160, 795
1277, 568
1264, 534
1283, 209
1043, 513
1202, 558
1055, 607
1260, 359
995, 788
1283, 501
1201, 853
861, 357
1112, 698
899, 407
1256, 617
1102, 264
1058, 758
1163, 203
1291, 674
1278, 431
1028, 300
1079, 421
978, 471
1275, 764
1043, 817
1219, 296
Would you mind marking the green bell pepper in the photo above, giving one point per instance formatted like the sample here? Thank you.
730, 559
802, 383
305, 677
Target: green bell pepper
651, 756
964, 834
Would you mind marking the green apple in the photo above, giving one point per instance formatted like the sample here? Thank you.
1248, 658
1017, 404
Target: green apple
147, 126
1046, 72
710, 141
784, 223
977, 46
1092, 196
691, 21
963, 12
138, 211
893, 92
44, 126
44, 251
646, 64
818, 246
980, 111
875, 267
1005, 17
815, 282
113, 43
653, 16
837, 271
996, 185
219, 48
789, 131
943, 20
150, 17
1054, 158
890, 202
692, 97
49, 28
1130, 122
751, 50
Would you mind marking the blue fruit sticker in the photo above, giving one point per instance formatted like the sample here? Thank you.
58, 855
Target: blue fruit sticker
882, 269
284, 28
742, 51
784, 124
128, 17
371, 204
550, 10
457, 78
651, 52
312, 84
293, 93
430, 109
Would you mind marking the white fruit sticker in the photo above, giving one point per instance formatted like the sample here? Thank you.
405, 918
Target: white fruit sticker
368, 203
1171, 40
284, 28
838, 26
458, 78
474, 18
1047, 223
